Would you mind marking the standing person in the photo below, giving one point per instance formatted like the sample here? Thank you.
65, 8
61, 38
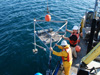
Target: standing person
66, 55
73, 39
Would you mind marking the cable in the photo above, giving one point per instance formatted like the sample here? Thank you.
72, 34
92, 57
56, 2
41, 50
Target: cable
47, 8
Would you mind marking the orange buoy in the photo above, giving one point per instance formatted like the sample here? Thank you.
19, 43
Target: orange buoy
48, 18
78, 48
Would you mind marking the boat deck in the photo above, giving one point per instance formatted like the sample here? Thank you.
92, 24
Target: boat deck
76, 61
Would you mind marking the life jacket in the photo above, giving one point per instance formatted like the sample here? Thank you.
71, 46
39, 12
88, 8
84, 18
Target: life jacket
75, 42
69, 57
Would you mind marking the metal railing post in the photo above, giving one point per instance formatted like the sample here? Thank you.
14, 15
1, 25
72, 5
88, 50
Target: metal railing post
34, 35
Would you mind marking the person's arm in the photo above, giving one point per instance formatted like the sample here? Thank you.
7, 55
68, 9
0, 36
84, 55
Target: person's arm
66, 38
62, 53
81, 34
60, 47
69, 31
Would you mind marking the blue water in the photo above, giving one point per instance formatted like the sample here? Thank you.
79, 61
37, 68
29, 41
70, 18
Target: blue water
16, 32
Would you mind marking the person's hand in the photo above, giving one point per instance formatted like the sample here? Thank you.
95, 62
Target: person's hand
66, 29
51, 49
62, 36
56, 45
81, 34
